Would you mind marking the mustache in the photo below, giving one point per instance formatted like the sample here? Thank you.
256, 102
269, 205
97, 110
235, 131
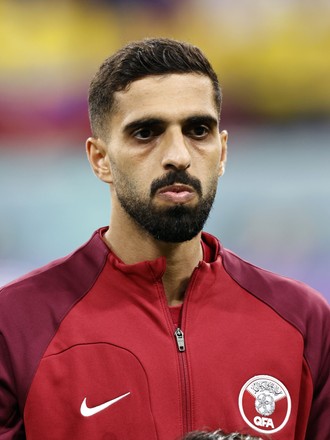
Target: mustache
173, 177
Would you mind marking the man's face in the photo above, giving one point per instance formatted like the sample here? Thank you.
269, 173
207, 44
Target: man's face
166, 153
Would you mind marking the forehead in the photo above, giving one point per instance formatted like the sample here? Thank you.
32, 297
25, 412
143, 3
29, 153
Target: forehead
166, 97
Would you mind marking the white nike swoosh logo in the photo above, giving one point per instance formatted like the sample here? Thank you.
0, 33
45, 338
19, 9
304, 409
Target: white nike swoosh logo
87, 412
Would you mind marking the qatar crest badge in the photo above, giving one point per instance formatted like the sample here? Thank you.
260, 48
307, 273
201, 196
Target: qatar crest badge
265, 404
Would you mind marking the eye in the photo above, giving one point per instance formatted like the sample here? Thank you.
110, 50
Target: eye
199, 131
144, 133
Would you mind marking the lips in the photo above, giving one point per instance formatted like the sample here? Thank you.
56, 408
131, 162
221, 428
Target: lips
176, 193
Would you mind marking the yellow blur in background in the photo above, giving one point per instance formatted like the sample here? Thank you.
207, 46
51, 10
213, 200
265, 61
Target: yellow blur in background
272, 58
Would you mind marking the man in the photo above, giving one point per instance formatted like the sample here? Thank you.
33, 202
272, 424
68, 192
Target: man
152, 329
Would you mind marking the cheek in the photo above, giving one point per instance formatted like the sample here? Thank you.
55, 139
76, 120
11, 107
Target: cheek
211, 166
120, 177
211, 173
131, 184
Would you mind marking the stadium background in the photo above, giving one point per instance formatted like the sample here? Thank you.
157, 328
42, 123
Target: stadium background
273, 61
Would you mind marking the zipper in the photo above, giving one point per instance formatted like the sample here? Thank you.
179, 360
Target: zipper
179, 336
186, 394
182, 357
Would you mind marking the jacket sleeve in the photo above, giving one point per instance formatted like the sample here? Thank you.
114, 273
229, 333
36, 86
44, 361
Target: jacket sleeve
318, 423
11, 422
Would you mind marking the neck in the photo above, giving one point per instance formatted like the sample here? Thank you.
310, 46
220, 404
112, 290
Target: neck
133, 245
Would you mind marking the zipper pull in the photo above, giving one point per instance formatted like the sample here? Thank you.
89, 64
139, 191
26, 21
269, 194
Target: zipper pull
180, 339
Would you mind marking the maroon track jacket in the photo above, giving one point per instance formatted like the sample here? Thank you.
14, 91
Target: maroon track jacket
88, 350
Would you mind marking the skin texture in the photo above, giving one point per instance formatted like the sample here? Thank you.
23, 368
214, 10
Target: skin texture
160, 125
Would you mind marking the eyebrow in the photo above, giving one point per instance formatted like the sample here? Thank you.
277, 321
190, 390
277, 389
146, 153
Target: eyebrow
143, 122
152, 122
201, 119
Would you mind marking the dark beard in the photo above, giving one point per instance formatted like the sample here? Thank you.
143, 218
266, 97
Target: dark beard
173, 224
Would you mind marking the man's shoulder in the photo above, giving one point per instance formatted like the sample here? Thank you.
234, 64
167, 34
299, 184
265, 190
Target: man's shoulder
295, 301
66, 274
33, 307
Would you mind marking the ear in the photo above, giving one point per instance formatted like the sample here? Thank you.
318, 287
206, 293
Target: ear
223, 156
98, 157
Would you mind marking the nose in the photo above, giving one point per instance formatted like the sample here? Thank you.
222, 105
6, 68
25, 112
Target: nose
175, 148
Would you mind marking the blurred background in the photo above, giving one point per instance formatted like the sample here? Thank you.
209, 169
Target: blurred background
273, 61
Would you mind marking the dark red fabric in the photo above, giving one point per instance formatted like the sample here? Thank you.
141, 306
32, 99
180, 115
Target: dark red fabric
89, 326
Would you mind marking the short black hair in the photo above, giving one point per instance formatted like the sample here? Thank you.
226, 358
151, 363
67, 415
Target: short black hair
218, 435
136, 60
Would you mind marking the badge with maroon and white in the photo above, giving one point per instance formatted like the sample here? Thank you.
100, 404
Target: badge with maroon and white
265, 404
